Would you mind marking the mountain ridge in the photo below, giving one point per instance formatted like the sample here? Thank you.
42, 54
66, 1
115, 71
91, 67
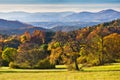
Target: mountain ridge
66, 16
64, 21
16, 27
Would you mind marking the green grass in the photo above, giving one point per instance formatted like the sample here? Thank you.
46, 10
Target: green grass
108, 67
106, 72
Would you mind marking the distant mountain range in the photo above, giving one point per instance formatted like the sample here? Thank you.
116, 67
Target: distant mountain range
35, 17
102, 16
16, 27
64, 21
51, 25
69, 26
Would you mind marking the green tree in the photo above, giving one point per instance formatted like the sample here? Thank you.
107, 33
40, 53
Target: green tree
44, 46
0, 56
9, 54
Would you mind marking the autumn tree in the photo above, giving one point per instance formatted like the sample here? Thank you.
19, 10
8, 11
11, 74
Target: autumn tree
112, 43
26, 37
38, 37
57, 46
11, 41
30, 58
73, 48
94, 47
66, 47
56, 53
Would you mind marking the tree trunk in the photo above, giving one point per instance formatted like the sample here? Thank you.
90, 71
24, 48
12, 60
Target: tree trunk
76, 64
101, 60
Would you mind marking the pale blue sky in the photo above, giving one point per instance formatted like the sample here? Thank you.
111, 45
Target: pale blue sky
56, 1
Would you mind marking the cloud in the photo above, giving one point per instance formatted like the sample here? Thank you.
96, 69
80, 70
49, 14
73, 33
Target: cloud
57, 7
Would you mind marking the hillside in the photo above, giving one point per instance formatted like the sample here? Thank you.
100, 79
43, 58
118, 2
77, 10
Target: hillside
6, 25
16, 27
92, 45
70, 26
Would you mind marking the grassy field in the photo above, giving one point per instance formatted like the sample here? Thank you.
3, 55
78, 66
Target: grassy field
106, 72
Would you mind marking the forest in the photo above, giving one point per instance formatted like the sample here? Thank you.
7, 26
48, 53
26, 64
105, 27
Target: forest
89, 46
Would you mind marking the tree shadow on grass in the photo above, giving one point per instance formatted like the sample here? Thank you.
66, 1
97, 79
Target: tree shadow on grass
31, 71
55, 71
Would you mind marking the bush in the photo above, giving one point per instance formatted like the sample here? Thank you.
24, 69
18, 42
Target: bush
19, 66
94, 62
44, 64
25, 65
13, 65
70, 67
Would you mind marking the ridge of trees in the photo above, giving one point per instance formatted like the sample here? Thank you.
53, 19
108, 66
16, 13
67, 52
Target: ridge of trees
96, 45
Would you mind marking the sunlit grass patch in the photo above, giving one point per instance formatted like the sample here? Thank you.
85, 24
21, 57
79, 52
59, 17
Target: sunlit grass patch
105, 72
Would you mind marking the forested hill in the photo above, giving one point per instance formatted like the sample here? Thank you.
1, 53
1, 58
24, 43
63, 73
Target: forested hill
96, 45
104, 28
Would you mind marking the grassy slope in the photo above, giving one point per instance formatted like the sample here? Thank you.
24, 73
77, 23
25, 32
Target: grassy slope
107, 72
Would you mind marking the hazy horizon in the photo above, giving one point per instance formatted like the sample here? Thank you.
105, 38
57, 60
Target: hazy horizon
57, 7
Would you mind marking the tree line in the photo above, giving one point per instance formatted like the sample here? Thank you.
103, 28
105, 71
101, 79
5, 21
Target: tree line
89, 46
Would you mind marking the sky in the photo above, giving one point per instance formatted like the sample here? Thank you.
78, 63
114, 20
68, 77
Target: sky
58, 5
56, 1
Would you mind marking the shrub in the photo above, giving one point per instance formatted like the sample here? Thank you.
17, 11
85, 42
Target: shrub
44, 64
13, 65
95, 62
25, 65
70, 67
117, 60
19, 66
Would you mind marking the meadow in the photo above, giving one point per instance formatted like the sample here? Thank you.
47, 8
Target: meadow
106, 72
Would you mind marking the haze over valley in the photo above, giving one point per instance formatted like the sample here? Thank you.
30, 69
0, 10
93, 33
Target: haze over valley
64, 21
